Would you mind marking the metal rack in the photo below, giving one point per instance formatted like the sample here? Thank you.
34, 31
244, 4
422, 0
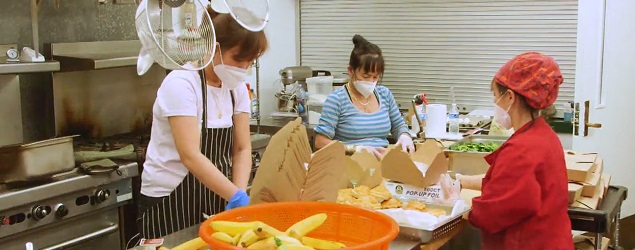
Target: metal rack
257, 64
602, 220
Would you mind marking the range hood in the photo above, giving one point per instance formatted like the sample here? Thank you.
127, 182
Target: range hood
24, 67
82, 56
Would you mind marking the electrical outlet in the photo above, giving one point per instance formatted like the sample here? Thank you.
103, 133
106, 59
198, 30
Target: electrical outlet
125, 2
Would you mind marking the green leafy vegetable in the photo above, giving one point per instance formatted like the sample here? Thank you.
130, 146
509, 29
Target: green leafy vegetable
475, 147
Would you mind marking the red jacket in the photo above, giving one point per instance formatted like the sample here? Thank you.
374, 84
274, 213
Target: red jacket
524, 199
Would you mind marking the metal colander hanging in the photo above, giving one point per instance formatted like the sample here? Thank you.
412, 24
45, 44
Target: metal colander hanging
177, 34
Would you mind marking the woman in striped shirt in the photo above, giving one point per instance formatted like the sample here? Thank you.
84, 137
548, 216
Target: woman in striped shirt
362, 114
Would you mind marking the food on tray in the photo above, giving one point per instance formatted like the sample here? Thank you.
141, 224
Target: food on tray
475, 147
364, 197
437, 212
380, 198
391, 203
415, 205
368, 202
381, 193
258, 235
360, 191
345, 196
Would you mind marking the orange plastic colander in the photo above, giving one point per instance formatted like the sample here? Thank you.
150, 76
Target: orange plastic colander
357, 228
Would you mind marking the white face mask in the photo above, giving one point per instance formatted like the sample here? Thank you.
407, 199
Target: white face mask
365, 88
230, 76
501, 116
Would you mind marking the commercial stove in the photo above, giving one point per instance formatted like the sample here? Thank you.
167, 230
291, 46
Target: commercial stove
66, 211
140, 142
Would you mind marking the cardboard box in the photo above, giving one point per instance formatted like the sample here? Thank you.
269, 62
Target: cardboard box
575, 190
593, 179
580, 165
606, 180
591, 202
290, 172
422, 169
363, 168
468, 163
583, 242
409, 192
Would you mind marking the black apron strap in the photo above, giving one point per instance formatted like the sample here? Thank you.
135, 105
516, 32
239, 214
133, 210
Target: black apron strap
201, 73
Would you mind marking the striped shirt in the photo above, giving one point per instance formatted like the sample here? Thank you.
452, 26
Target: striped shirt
342, 121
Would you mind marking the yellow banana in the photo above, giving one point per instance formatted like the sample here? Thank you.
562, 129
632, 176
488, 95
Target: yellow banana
233, 228
191, 244
283, 239
265, 231
237, 238
305, 226
294, 247
224, 237
265, 244
321, 244
248, 238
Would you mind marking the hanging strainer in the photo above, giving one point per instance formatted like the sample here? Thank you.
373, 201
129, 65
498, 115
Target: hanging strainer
253, 15
177, 34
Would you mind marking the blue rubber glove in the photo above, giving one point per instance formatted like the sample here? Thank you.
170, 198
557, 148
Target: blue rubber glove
239, 199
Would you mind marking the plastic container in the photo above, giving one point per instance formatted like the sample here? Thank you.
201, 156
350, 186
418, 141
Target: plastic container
315, 111
357, 228
320, 87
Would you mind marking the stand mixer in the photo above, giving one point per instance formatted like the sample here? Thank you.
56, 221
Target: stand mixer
296, 76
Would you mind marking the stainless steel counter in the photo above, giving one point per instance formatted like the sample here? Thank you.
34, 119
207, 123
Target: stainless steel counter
184, 235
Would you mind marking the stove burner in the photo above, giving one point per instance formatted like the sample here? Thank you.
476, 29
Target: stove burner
18, 185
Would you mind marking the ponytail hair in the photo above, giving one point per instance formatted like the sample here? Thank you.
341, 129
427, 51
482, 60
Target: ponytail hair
366, 56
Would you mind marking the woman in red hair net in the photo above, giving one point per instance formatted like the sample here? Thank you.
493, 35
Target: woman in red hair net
524, 197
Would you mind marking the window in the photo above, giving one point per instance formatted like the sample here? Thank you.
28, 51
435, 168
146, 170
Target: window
431, 45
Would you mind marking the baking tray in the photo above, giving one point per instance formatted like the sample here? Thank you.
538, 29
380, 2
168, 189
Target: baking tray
479, 139
37, 160
427, 235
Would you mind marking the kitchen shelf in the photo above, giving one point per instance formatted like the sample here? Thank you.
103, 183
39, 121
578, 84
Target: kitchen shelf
24, 67
85, 56
21, 67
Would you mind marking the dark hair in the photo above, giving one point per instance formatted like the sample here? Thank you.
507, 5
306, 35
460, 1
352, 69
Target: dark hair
230, 34
366, 56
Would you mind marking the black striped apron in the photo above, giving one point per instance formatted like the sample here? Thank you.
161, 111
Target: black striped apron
185, 206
